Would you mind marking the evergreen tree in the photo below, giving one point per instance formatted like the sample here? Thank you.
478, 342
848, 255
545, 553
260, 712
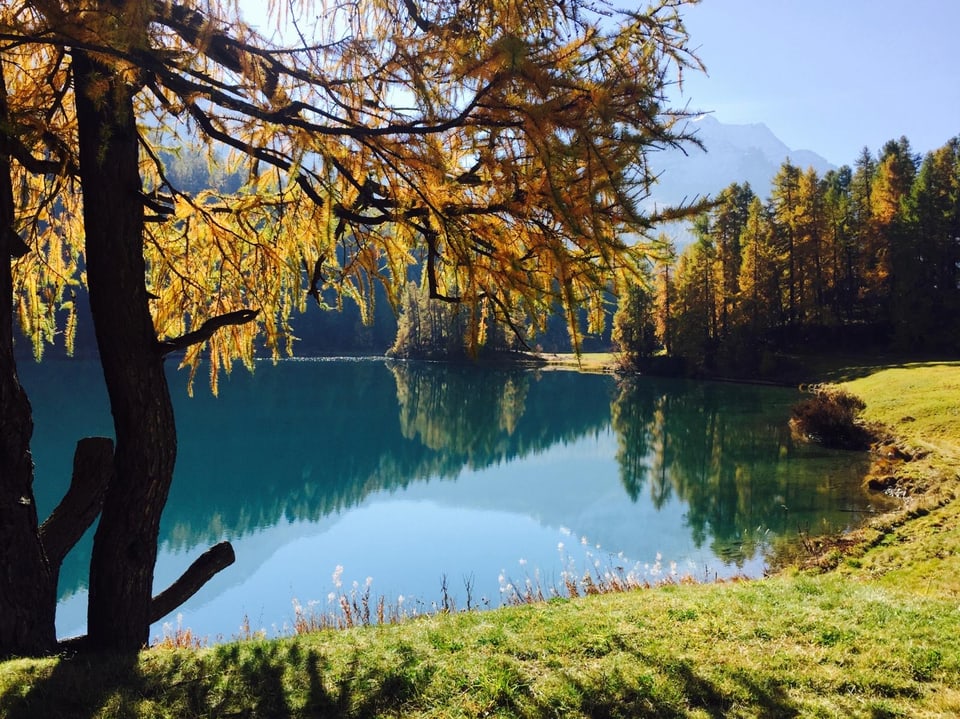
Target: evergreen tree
862, 277
888, 270
927, 303
634, 323
785, 215
811, 252
696, 301
838, 206
729, 217
760, 279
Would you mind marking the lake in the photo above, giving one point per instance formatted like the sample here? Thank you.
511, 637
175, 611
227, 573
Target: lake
408, 477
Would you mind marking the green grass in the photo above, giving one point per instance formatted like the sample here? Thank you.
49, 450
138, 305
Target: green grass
878, 636
791, 646
586, 362
919, 402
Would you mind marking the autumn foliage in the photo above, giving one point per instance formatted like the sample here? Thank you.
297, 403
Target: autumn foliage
503, 147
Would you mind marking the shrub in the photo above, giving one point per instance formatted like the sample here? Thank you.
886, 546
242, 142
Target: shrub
830, 418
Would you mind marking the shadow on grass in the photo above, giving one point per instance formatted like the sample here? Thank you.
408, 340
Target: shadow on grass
257, 679
680, 690
78, 686
865, 368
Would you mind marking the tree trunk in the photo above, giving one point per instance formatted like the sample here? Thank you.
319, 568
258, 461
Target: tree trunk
125, 544
28, 596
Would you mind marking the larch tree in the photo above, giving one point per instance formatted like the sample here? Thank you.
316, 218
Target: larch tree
811, 231
36, 169
730, 217
839, 239
507, 144
784, 212
887, 242
665, 257
760, 285
928, 297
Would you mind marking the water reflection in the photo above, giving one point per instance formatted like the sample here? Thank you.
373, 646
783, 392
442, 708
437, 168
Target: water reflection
411, 470
726, 452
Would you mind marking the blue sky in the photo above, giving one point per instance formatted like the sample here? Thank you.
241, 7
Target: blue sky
831, 76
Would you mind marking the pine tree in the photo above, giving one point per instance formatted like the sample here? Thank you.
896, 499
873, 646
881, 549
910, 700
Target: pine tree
889, 248
811, 252
728, 220
927, 302
838, 206
634, 323
785, 214
760, 278
863, 237
695, 309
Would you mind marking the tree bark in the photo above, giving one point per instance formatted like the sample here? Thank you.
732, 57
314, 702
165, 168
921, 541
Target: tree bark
125, 544
204, 567
27, 593
92, 470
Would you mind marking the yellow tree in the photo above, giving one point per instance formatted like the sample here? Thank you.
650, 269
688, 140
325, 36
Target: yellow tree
889, 246
38, 212
761, 304
507, 144
812, 252
728, 220
695, 306
665, 258
784, 213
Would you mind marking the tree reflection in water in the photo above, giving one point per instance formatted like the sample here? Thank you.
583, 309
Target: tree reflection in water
726, 451
302, 441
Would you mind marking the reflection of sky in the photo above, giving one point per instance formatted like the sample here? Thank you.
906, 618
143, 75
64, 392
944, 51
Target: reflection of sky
295, 442
480, 526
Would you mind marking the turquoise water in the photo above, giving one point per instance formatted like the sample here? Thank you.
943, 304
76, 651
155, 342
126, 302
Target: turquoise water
414, 476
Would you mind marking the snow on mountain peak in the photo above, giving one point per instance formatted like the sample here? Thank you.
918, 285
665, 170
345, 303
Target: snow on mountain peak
732, 153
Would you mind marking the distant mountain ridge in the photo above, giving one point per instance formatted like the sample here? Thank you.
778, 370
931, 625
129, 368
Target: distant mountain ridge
732, 153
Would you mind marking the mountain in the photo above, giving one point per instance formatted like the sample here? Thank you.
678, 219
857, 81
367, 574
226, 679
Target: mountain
732, 153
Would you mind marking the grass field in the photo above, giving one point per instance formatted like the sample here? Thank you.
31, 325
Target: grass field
876, 636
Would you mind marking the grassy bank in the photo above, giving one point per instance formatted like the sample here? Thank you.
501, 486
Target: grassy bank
879, 636
586, 362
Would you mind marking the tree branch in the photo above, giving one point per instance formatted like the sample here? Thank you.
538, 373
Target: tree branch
418, 19
197, 30
240, 317
80, 506
218, 557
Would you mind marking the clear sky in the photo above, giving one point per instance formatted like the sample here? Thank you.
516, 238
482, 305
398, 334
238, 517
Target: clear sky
831, 76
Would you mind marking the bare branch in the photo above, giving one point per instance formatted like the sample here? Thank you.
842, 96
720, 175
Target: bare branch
80, 506
204, 568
